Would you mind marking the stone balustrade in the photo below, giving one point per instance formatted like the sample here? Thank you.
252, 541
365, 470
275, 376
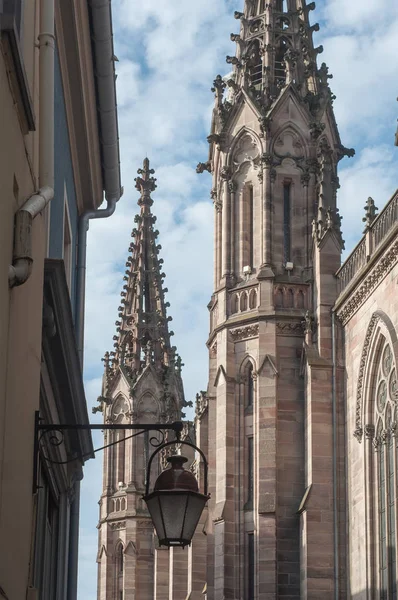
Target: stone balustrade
376, 233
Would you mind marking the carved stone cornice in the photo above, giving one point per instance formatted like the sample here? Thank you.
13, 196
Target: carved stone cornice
243, 333
358, 297
290, 328
117, 525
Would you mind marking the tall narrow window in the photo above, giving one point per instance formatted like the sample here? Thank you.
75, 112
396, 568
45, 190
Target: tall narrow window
121, 560
247, 242
280, 68
286, 223
392, 519
382, 526
250, 473
119, 571
250, 566
250, 387
251, 226
255, 66
385, 462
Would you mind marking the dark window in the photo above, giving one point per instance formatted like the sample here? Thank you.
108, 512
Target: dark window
121, 559
280, 68
251, 226
250, 386
11, 15
250, 472
250, 566
286, 223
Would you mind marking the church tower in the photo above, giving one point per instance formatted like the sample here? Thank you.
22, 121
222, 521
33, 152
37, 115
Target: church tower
141, 384
274, 147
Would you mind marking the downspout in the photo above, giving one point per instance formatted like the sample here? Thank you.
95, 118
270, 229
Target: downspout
22, 263
335, 480
104, 57
21, 268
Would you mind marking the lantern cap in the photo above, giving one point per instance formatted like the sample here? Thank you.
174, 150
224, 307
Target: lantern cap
177, 478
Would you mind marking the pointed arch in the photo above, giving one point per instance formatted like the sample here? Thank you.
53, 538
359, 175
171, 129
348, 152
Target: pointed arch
289, 298
282, 45
363, 410
253, 299
244, 131
278, 294
148, 406
119, 558
234, 303
300, 299
376, 407
295, 131
255, 66
243, 301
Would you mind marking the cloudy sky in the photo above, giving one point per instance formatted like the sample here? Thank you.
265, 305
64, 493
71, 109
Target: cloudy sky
169, 53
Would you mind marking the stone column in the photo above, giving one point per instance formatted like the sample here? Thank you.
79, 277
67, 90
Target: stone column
213, 196
267, 191
317, 543
266, 468
178, 582
232, 233
226, 220
161, 585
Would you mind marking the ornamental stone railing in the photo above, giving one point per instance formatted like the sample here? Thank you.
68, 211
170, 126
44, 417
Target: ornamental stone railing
352, 265
375, 234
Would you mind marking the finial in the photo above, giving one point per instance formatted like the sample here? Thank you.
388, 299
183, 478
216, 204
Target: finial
145, 184
370, 213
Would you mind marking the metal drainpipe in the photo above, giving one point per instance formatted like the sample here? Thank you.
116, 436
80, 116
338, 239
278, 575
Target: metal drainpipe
335, 441
22, 263
21, 269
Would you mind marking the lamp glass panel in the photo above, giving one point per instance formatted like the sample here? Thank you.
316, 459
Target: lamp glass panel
156, 516
196, 504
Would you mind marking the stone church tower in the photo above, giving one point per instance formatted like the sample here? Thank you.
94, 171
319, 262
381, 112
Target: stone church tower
142, 383
272, 447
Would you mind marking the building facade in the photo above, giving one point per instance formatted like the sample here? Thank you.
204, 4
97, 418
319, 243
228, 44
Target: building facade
59, 155
299, 418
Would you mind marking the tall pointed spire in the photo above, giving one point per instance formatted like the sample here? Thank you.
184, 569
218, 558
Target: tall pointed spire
274, 49
143, 335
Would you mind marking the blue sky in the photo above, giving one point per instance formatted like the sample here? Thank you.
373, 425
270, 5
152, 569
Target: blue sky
169, 54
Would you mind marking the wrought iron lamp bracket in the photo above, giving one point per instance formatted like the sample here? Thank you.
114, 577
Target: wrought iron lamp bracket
56, 436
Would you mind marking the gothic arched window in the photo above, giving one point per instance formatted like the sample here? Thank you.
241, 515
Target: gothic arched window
280, 67
250, 387
248, 226
385, 463
255, 67
119, 571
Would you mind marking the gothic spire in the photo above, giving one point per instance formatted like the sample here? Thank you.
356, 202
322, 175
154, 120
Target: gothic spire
143, 335
274, 49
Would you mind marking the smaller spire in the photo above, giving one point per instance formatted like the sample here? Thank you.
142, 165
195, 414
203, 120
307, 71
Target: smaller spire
142, 330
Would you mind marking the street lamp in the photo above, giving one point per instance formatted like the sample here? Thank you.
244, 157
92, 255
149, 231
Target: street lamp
175, 504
